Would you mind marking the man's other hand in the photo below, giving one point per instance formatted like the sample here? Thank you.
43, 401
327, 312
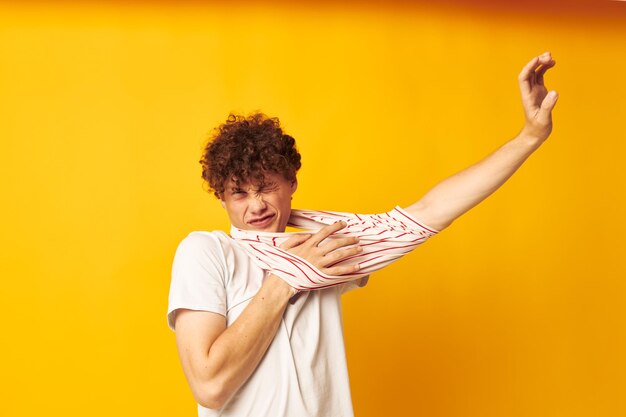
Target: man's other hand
324, 255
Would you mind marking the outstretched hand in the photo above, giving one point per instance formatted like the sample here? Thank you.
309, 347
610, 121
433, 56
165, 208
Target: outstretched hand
537, 101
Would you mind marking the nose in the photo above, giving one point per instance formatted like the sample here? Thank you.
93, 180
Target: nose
257, 204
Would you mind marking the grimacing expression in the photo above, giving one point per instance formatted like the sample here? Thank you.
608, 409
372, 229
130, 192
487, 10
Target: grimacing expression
262, 207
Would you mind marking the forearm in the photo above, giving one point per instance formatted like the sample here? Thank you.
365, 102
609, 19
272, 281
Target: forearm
455, 195
236, 353
459, 193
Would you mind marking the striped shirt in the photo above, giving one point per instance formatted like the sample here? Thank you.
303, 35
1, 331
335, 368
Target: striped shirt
383, 237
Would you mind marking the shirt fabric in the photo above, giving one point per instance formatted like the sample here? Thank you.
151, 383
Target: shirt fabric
304, 371
384, 238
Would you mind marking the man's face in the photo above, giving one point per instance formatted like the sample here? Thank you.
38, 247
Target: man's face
261, 207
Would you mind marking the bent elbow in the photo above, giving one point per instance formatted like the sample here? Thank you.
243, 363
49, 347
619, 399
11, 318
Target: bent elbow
212, 396
211, 403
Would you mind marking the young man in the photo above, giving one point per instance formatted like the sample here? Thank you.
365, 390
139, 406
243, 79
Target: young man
244, 348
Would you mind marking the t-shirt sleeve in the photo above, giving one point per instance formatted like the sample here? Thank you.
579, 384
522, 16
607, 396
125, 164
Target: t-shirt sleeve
198, 276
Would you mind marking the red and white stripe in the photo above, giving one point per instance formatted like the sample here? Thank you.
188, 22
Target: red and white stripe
384, 238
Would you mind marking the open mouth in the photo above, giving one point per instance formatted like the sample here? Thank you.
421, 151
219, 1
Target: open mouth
262, 221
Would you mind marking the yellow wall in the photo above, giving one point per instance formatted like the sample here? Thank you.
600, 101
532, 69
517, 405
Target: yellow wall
518, 309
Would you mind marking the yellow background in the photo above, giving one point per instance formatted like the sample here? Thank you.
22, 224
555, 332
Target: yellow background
518, 309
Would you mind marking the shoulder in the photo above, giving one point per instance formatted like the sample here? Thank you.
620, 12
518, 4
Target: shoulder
202, 246
202, 241
199, 276
198, 239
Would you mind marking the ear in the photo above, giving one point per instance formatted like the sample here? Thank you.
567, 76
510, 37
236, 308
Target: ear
223, 203
294, 186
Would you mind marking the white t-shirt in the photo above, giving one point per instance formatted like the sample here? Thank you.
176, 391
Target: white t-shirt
304, 371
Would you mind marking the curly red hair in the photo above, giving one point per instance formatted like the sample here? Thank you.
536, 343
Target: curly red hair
245, 148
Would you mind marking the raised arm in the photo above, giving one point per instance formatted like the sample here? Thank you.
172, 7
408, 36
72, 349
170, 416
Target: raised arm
455, 195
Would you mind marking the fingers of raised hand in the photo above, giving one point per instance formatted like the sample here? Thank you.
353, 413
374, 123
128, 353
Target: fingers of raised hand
541, 70
545, 65
548, 103
533, 71
528, 69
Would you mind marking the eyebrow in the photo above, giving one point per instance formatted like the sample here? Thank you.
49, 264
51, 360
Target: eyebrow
261, 186
264, 185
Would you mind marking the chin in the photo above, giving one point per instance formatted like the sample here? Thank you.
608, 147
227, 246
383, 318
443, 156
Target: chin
272, 228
